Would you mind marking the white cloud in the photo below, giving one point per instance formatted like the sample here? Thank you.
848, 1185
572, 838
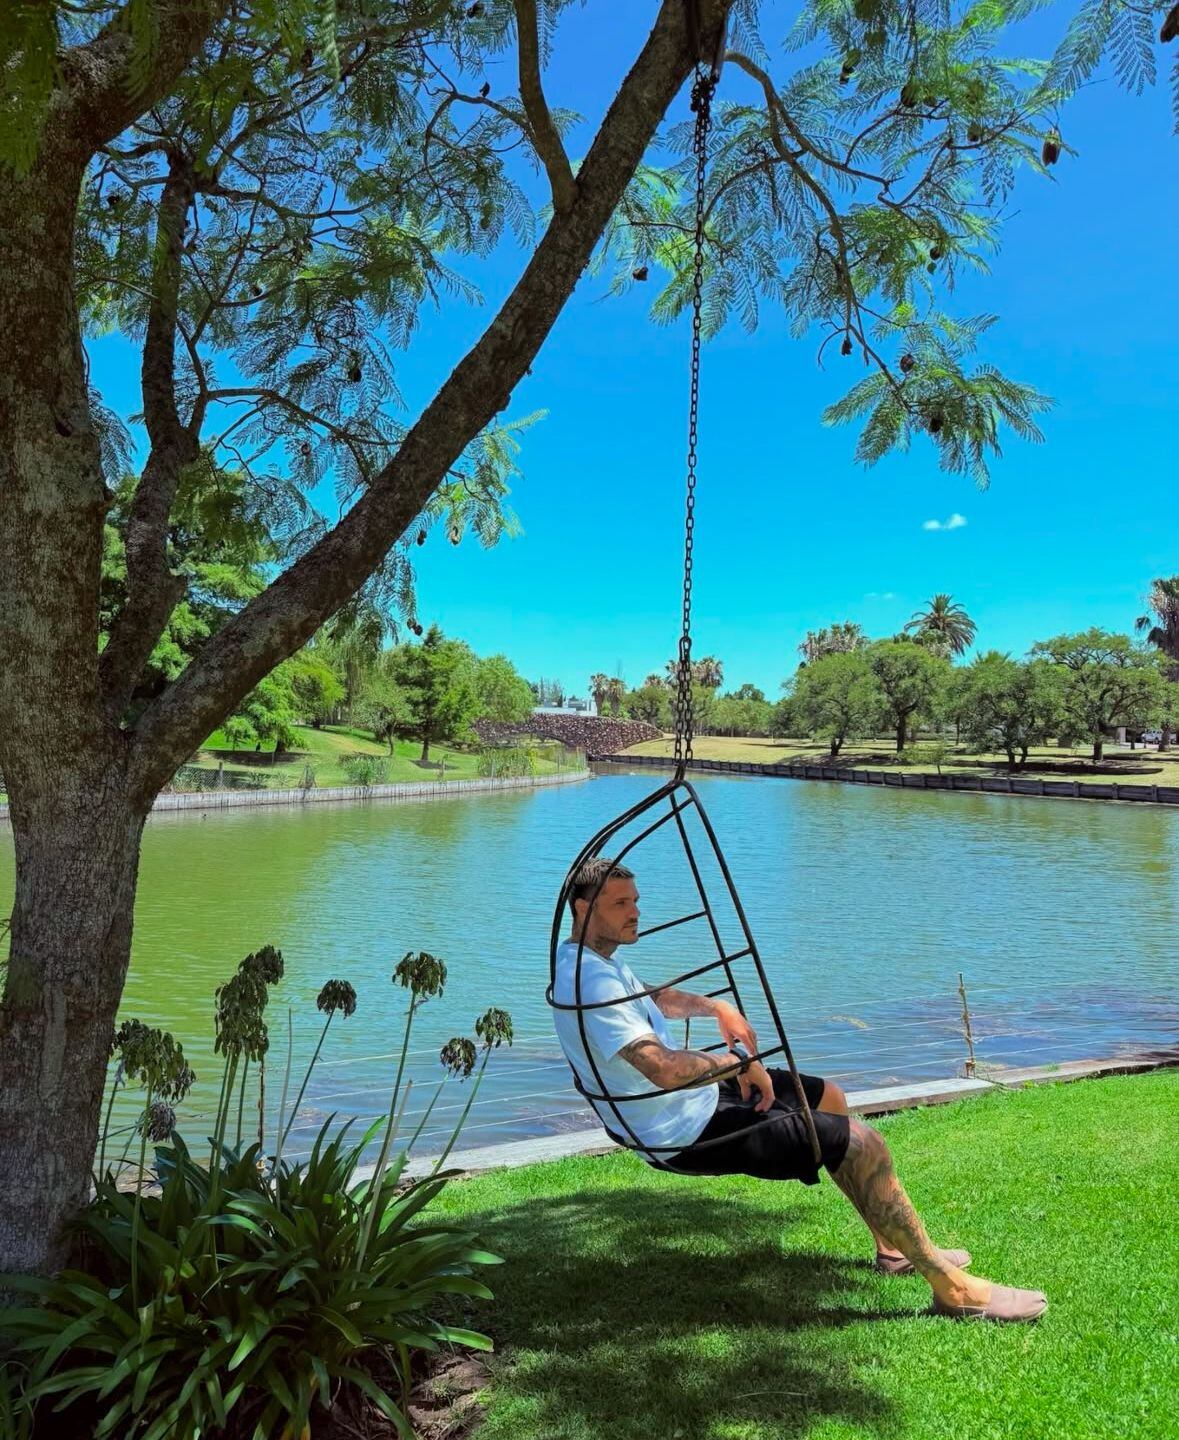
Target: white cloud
955, 522
880, 595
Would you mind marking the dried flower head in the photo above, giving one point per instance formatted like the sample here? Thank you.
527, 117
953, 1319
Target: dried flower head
154, 1058
158, 1121
337, 995
458, 1056
422, 974
494, 1028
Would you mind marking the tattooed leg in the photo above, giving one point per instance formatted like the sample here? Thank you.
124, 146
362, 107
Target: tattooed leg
869, 1181
834, 1102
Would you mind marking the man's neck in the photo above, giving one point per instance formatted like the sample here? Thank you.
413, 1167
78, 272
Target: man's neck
604, 948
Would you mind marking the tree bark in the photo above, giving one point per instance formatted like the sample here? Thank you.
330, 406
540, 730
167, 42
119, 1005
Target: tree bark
902, 727
1098, 749
77, 856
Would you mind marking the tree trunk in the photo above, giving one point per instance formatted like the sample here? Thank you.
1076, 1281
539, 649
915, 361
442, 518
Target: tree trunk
76, 864
1098, 749
425, 756
902, 727
836, 742
1164, 737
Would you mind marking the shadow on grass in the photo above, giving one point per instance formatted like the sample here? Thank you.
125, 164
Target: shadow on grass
658, 1312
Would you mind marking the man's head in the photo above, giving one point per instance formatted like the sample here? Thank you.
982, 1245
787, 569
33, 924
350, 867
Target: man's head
613, 916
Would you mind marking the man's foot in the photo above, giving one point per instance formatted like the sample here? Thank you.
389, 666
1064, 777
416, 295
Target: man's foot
1002, 1303
893, 1263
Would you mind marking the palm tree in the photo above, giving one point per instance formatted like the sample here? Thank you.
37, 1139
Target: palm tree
600, 689
709, 672
843, 636
1163, 600
944, 625
615, 690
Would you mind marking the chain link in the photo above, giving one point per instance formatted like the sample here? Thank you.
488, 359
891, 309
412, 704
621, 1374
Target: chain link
702, 92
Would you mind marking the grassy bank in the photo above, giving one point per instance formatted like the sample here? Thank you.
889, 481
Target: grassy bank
325, 750
1127, 767
637, 1305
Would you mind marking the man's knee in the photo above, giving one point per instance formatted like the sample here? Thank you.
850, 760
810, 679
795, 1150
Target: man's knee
834, 1101
866, 1151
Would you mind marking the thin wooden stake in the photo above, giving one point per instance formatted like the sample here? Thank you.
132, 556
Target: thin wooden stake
966, 1028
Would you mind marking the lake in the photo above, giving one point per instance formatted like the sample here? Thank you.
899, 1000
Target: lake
866, 904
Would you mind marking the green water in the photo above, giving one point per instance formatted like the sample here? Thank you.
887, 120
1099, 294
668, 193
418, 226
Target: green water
866, 904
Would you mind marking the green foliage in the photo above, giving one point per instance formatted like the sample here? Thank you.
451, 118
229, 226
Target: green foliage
504, 696
1107, 681
838, 698
744, 711
912, 679
507, 760
650, 702
943, 626
366, 770
1004, 705
834, 639
437, 689
256, 1304
248, 1293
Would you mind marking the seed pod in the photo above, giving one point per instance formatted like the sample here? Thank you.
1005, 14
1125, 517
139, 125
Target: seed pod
485, 90
932, 268
307, 59
907, 363
974, 134
305, 449
935, 422
421, 537
454, 534
909, 95
474, 11
935, 252
640, 273
256, 291
1170, 25
846, 347
1050, 152
850, 61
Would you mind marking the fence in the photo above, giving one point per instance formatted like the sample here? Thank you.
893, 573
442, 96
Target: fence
990, 784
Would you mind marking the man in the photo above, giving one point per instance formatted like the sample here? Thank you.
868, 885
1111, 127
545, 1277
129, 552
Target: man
752, 1112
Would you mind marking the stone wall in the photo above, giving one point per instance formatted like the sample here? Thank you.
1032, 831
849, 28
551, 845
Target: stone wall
595, 734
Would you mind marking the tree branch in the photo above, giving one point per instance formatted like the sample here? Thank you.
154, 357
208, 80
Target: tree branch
291, 609
99, 95
542, 131
152, 589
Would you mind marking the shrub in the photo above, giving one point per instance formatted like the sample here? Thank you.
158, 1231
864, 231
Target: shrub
247, 1292
507, 760
366, 770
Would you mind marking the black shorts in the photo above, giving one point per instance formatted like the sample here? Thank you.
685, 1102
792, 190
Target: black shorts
771, 1145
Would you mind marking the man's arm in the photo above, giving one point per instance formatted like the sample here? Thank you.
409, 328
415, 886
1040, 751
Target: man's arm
689, 1069
683, 1005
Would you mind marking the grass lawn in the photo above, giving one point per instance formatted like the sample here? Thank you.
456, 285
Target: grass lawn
640, 1306
1119, 765
324, 749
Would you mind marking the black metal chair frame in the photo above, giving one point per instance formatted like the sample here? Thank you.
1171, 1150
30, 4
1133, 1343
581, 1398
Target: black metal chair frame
681, 798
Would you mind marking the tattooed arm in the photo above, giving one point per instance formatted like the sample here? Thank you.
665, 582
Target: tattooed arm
688, 1069
683, 1005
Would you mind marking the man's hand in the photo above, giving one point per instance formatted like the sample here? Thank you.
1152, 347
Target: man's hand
756, 1077
734, 1027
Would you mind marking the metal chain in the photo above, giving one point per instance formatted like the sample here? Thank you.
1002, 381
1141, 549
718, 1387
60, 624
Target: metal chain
702, 92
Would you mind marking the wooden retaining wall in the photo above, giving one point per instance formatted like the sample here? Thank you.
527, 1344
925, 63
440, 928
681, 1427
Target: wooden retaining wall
910, 780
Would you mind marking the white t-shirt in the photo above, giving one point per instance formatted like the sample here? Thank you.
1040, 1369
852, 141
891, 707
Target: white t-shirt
664, 1120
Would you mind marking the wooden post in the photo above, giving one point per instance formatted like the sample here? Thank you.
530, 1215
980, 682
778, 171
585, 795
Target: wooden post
966, 1028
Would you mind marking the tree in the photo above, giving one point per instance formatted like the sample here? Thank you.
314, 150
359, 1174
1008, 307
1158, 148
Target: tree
263, 198
1161, 625
837, 639
912, 679
600, 689
744, 711
944, 626
384, 710
316, 686
438, 696
504, 695
651, 703
1009, 706
838, 697
1108, 681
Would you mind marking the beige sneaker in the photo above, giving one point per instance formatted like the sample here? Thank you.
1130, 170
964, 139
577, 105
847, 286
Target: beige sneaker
1005, 1304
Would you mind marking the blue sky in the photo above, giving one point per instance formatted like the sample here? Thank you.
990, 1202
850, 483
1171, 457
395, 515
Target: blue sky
792, 534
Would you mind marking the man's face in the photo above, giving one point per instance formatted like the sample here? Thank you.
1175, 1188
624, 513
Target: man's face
615, 917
